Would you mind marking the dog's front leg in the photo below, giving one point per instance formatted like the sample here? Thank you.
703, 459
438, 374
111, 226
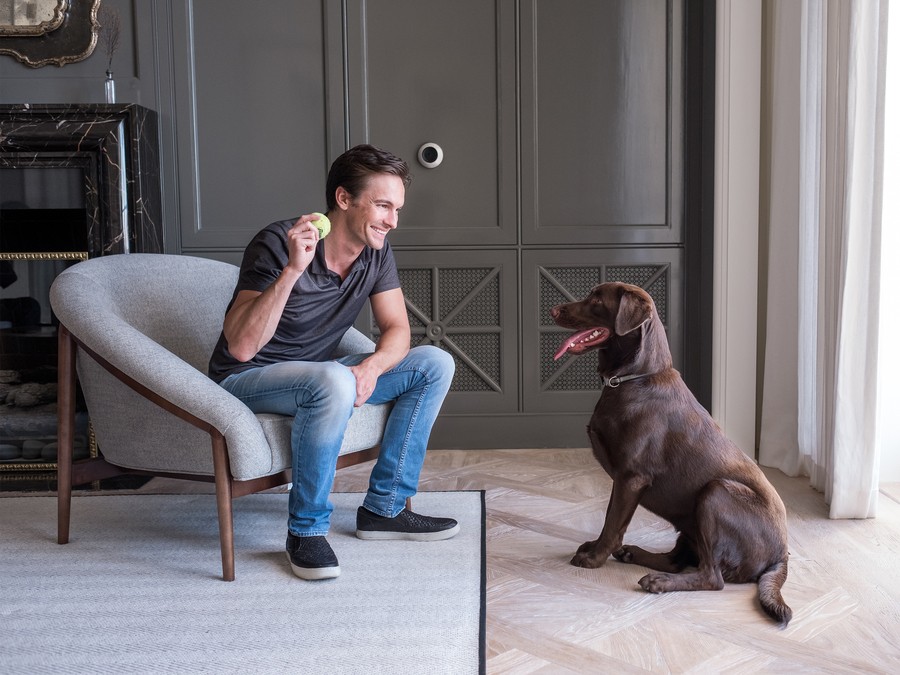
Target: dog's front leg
623, 502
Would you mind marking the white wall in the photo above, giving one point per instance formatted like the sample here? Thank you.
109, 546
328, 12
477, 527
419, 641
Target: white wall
889, 355
738, 49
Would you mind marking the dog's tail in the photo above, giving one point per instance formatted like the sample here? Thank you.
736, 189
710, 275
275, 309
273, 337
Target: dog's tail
770, 583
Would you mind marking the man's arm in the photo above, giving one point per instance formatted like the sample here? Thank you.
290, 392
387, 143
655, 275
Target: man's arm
254, 316
389, 311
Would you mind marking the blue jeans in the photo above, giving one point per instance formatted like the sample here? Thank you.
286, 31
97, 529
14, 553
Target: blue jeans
320, 396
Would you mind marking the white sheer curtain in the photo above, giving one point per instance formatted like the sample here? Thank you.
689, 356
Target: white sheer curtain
820, 371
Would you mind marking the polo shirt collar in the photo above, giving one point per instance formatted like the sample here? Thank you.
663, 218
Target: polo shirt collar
319, 267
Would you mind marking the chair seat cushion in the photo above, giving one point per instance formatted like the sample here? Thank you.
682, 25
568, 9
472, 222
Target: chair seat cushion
363, 432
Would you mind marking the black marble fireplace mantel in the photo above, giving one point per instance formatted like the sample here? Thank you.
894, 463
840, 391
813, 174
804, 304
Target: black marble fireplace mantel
116, 147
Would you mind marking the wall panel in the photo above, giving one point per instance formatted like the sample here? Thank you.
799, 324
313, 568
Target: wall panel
251, 117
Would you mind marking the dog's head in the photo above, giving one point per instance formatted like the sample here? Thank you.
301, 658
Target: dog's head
619, 319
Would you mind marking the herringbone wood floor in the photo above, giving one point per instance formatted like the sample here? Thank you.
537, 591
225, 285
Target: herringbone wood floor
546, 616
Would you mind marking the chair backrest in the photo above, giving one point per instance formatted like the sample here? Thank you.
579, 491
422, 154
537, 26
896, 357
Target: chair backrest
177, 301
155, 318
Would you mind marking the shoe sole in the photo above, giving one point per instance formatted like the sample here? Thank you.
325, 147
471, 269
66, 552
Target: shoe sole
385, 535
314, 573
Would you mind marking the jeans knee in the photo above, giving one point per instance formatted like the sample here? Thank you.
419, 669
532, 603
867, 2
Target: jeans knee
336, 382
435, 362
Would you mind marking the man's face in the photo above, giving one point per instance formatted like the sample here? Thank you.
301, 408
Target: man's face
375, 211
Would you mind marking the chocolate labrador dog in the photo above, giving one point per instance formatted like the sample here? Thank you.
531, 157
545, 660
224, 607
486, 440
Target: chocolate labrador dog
664, 452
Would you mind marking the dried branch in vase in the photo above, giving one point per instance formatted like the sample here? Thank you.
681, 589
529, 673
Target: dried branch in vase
110, 31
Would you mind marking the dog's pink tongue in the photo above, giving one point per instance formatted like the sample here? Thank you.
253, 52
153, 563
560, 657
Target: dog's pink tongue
570, 342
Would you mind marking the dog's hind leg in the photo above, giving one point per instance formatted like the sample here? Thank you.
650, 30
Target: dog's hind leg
707, 576
674, 561
715, 506
701, 580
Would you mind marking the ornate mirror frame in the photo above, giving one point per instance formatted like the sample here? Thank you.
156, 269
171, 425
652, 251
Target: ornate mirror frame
69, 36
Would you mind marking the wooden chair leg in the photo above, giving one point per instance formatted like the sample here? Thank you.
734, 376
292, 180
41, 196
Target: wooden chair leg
65, 431
223, 503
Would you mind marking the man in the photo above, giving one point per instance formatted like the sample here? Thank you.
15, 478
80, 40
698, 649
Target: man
295, 298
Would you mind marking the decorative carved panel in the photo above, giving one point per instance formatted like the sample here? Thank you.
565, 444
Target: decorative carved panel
564, 276
468, 309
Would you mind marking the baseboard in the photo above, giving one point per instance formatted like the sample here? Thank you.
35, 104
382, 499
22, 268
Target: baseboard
517, 430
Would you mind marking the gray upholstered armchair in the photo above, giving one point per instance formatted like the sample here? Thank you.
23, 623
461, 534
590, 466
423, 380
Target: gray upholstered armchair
138, 329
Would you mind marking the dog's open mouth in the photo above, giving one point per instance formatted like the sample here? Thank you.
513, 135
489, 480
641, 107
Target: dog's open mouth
579, 343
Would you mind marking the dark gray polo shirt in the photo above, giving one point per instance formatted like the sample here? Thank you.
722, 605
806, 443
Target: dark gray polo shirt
320, 308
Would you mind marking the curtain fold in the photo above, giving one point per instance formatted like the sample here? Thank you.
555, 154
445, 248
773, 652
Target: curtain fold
854, 489
837, 225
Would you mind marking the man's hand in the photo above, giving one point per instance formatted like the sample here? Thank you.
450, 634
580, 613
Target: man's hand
366, 376
389, 310
301, 242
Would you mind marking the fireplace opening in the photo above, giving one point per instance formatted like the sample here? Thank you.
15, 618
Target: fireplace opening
43, 230
43, 210
76, 182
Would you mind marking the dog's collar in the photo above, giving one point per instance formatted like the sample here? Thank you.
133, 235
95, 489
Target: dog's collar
616, 380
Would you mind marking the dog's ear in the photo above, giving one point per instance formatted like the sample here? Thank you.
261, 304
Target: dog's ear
635, 309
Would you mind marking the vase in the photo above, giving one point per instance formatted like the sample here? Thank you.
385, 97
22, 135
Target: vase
110, 87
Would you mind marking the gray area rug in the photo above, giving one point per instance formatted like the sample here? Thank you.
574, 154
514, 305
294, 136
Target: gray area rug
138, 589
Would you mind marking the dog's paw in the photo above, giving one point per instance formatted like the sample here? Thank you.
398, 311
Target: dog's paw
586, 561
624, 555
586, 547
584, 558
656, 582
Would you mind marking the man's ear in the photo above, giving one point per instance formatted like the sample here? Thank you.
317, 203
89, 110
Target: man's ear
342, 198
635, 309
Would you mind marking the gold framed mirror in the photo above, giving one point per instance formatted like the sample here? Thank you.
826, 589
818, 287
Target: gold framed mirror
48, 32
31, 17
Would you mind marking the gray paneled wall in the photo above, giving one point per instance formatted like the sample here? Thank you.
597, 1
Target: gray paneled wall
561, 126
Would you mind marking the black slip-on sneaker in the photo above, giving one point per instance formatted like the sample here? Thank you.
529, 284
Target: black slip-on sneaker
405, 525
311, 557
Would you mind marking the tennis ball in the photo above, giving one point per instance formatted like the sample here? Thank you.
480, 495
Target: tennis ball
322, 224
